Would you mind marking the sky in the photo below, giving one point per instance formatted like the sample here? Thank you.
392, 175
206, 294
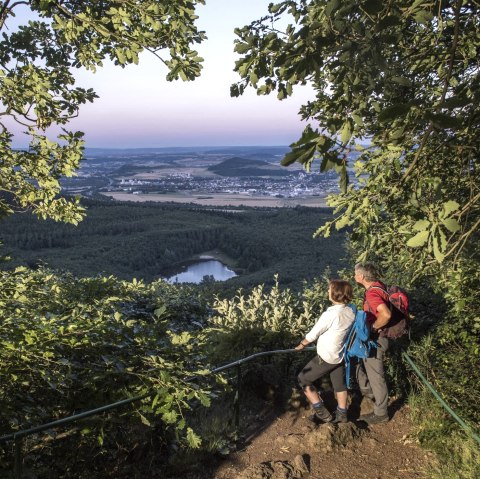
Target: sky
138, 108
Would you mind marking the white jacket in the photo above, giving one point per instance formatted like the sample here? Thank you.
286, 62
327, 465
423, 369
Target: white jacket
331, 330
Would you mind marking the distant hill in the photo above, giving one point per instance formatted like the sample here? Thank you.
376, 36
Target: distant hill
130, 170
237, 166
263, 152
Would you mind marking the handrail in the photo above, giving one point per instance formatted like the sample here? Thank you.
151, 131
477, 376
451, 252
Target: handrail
99, 410
69, 419
437, 396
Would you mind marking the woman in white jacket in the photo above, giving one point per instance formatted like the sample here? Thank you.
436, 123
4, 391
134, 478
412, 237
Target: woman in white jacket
330, 331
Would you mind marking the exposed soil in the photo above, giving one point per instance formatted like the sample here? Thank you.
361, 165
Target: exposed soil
288, 446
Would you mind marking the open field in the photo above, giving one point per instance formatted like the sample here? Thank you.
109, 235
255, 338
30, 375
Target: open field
221, 199
157, 174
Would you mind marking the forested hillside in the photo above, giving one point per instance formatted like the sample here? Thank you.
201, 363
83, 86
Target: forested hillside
144, 240
246, 167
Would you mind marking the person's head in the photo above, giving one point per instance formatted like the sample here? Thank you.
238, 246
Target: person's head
340, 291
366, 273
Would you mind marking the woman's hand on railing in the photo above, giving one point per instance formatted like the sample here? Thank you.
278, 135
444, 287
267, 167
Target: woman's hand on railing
303, 343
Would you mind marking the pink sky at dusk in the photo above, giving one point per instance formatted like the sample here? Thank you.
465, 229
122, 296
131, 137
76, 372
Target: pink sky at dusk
139, 108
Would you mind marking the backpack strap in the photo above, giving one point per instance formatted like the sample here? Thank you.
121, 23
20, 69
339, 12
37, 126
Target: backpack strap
350, 335
384, 290
378, 287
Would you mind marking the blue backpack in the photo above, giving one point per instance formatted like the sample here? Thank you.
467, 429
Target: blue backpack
357, 345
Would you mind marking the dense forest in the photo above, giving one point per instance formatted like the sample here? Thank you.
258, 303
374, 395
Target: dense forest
143, 241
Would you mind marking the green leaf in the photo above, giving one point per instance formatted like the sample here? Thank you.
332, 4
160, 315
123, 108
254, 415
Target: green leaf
242, 48
421, 225
444, 121
160, 311
169, 417
402, 81
145, 420
331, 6
194, 441
357, 119
451, 224
450, 207
301, 154
423, 16
204, 399
439, 256
347, 131
393, 112
443, 240
419, 239
372, 7
342, 222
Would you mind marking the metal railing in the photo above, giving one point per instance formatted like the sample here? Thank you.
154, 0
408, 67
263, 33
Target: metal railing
437, 396
17, 437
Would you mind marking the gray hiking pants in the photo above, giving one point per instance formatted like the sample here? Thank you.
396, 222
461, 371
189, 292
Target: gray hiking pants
371, 378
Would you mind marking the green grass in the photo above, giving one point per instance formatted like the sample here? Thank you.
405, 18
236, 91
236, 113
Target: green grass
457, 454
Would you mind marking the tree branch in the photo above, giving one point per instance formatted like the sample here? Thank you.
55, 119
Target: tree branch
444, 92
6, 10
460, 244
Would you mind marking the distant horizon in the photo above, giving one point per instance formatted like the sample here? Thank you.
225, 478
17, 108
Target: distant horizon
216, 147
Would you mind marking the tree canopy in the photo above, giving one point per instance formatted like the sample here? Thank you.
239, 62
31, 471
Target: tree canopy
397, 82
37, 83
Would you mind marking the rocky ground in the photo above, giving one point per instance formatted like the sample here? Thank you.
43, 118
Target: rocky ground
286, 445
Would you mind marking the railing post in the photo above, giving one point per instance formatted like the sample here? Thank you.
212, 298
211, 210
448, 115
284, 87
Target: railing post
17, 472
237, 398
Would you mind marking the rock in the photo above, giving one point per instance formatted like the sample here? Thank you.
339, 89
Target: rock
296, 469
325, 437
258, 471
328, 436
300, 463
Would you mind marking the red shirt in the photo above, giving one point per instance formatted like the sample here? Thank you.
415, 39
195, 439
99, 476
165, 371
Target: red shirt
373, 298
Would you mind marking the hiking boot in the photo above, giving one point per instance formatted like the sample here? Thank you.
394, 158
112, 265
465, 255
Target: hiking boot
340, 416
321, 415
372, 418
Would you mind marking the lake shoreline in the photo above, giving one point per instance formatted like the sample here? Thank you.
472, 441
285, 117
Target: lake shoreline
184, 268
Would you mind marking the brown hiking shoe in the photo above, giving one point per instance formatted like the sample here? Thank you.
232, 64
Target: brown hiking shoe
321, 415
340, 416
373, 418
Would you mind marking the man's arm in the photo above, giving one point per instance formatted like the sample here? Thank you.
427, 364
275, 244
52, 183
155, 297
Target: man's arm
383, 317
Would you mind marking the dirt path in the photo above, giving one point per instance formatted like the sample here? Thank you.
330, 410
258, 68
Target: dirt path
351, 450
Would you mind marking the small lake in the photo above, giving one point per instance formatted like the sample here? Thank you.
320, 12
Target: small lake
194, 272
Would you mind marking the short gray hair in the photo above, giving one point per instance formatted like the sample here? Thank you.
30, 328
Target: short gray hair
369, 271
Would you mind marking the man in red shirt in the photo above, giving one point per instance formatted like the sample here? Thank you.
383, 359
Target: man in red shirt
370, 371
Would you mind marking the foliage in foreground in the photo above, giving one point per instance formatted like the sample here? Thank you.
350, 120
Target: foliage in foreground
264, 319
402, 76
71, 344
